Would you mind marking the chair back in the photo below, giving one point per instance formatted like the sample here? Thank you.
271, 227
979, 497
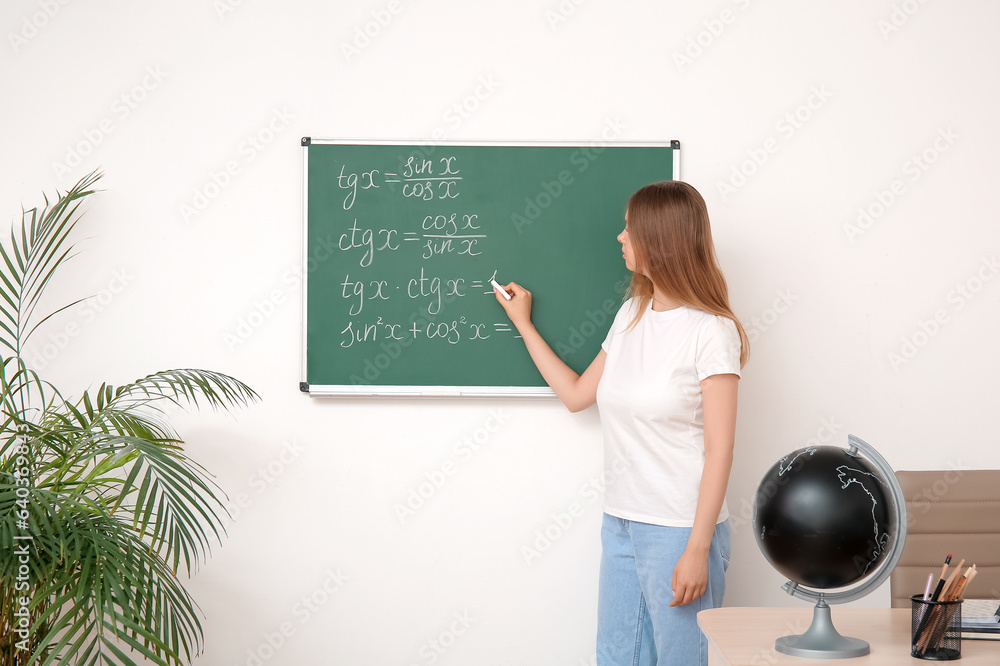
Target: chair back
953, 512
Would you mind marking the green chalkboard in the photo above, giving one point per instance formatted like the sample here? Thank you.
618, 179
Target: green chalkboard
402, 238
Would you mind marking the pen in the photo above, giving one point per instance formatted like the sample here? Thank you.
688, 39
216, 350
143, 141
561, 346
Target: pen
927, 590
922, 619
996, 615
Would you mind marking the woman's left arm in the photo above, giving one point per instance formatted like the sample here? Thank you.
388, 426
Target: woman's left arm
719, 395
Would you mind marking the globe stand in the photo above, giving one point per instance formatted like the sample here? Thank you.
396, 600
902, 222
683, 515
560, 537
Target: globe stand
822, 640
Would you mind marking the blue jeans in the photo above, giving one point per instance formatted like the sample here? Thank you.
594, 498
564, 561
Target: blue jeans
635, 624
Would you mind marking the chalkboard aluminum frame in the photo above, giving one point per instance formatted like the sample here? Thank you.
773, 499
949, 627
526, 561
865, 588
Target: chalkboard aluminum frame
372, 390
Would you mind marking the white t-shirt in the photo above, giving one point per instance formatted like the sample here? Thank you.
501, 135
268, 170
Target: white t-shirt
651, 411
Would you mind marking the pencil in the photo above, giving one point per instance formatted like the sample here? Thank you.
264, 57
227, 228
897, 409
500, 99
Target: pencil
959, 590
940, 585
948, 586
971, 576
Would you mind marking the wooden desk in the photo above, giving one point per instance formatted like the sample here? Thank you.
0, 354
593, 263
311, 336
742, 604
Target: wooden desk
745, 636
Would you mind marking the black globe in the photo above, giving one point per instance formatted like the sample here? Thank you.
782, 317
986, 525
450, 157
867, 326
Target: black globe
824, 518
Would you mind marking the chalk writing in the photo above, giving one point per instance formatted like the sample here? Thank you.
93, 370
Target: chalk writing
349, 182
452, 331
418, 177
366, 241
357, 238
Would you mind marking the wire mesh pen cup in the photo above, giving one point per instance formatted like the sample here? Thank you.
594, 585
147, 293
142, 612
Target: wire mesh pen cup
936, 629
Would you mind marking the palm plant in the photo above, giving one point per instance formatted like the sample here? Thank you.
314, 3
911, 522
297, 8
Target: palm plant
100, 507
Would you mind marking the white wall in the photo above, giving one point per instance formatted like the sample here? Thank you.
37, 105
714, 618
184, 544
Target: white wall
840, 100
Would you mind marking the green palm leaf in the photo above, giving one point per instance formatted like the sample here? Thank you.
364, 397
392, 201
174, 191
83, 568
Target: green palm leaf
102, 483
31, 259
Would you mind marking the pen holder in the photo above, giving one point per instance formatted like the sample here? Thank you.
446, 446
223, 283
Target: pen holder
936, 629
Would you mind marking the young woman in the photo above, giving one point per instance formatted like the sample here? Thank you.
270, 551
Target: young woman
665, 382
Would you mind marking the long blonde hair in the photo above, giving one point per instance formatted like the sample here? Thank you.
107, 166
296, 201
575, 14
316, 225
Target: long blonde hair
672, 240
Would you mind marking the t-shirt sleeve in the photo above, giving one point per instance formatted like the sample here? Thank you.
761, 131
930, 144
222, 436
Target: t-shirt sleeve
607, 339
619, 324
718, 349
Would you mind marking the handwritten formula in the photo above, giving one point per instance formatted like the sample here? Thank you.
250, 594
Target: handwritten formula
366, 243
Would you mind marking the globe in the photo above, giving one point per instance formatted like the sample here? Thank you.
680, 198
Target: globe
833, 521
824, 517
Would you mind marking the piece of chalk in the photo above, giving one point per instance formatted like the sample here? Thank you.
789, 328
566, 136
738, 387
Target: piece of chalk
500, 289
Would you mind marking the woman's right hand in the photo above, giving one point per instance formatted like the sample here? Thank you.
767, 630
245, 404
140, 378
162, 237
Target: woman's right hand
576, 391
518, 308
